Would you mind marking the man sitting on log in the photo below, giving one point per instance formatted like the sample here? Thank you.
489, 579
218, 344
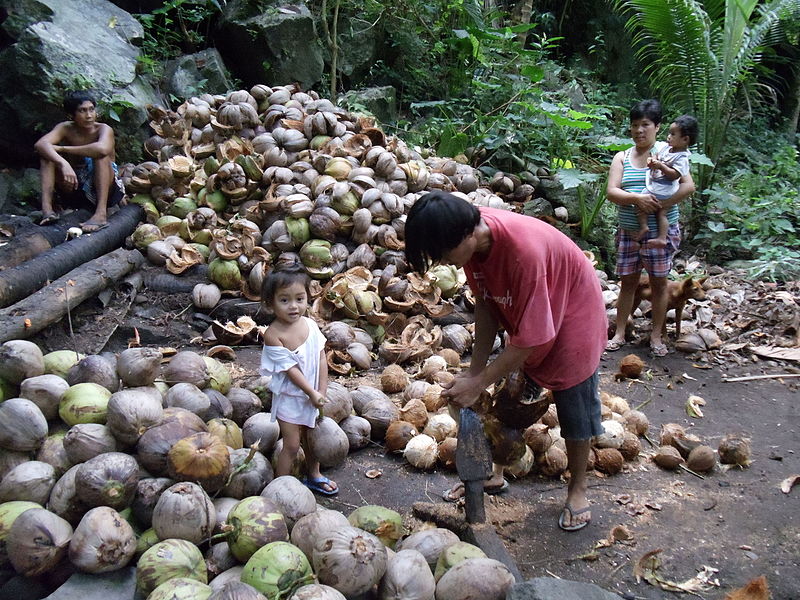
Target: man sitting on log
77, 161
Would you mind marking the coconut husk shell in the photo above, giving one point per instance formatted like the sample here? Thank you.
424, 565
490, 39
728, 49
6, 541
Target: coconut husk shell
734, 450
397, 435
631, 446
394, 379
631, 366
668, 457
702, 459
608, 460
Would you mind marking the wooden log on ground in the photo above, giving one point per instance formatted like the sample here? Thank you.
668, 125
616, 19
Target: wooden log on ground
31, 241
50, 304
21, 281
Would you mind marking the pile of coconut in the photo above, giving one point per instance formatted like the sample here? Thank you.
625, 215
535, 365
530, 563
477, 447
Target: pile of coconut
680, 449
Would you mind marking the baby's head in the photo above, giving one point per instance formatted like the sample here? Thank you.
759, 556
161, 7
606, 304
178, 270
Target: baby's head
683, 133
285, 276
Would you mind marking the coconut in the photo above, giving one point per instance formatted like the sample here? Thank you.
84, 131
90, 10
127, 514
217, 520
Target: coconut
553, 462
262, 430
251, 473
245, 404
130, 413
205, 296
350, 560
550, 418
95, 369
383, 523
227, 431
45, 391
219, 558
363, 395
107, 480
185, 512
232, 575
636, 422
9, 511
148, 491
37, 541
339, 404
608, 460
84, 403
187, 367
31, 481
441, 426
631, 446
52, 452
167, 560
23, 427
538, 438
522, 466
103, 541
155, 443
277, 570
454, 554
631, 366
317, 591
189, 397
612, 435
139, 366
358, 431
734, 449
20, 359
450, 356
431, 366
10, 459
339, 335
236, 590
506, 443
398, 434
432, 398
415, 413
253, 523
415, 390
483, 578
701, 459
87, 440
447, 453
223, 507
393, 379
298, 466
407, 576
220, 407
219, 377
181, 588
615, 403
315, 525
380, 413
668, 457
64, 499
670, 431
429, 542
294, 500
328, 443
202, 458
60, 362
421, 451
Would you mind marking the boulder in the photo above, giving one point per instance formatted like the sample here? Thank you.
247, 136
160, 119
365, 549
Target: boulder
60, 46
359, 50
380, 101
103, 586
554, 192
194, 74
19, 188
266, 41
550, 588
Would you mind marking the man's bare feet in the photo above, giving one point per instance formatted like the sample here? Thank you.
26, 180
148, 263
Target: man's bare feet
49, 218
491, 486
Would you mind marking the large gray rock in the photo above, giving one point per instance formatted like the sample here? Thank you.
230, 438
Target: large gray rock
116, 585
359, 50
380, 101
267, 41
59, 46
195, 74
19, 189
550, 588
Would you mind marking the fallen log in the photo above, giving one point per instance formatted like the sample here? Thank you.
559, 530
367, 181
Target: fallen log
50, 304
29, 242
21, 281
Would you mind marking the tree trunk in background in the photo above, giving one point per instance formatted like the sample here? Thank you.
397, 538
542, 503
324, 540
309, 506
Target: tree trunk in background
792, 104
521, 15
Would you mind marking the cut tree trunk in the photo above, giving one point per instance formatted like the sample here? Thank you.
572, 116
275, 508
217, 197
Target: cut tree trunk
21, 281
31, 241
50, 304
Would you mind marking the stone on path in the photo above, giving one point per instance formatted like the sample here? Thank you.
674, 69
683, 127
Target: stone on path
116, 585
550, 588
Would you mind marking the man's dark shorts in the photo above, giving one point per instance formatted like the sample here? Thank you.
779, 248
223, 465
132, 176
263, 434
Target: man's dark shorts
578, 410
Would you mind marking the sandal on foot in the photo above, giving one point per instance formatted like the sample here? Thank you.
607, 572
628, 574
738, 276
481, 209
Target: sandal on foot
659, 350
318, 485
613, 345
568, 512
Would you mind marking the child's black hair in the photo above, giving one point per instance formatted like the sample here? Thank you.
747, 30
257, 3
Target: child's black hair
647, 109
437, 223
282, 276
73, 99
689, 127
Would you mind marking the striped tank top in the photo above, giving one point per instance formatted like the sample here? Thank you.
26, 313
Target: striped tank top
633, 180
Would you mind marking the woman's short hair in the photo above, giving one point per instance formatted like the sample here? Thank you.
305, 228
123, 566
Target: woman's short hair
283, 276
437, 223
647, 109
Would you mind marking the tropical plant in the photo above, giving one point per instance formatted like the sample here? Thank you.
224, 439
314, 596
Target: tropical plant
700, 56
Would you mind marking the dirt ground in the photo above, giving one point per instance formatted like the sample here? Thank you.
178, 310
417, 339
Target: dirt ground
737, 522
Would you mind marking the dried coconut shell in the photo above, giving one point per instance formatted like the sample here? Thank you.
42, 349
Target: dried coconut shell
553, 462
631, 446
636, 422
550, 418
608, 460
433, 398
393, 379
734, 450
447, 453
538, 438
631, 366
451, 357
702, 459
669, 431
397, 435
415, 413
668, 457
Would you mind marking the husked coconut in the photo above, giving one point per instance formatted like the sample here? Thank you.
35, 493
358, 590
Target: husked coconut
421, 451
631, 366
553, 462
441, 426
398, 434
636, 422
734, 450
668, 457
415, 413
612, 435
608, 460
631, 446
670, 431
447, 453
394, 379
701, 459
537, 437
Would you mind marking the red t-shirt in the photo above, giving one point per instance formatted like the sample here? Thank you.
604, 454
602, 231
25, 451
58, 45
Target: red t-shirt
546, 296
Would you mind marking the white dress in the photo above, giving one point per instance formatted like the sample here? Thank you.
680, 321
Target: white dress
289, 402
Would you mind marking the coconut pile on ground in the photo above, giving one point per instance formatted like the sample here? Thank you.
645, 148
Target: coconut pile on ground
158, 461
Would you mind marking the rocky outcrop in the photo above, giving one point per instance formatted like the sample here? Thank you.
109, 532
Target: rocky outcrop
194, 74
59, 46
269, 42
380, 101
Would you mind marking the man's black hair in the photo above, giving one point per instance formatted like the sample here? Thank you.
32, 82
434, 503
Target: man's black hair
283, 276
689, 127
72, 100
437, 223
647, 109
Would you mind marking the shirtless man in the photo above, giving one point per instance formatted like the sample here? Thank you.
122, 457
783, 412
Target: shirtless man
77, 157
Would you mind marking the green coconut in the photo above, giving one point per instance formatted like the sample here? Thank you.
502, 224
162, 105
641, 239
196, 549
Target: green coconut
277, 570
181, 207
181, 588
225, 273
254, 522
7, 390
383, 523
168, 224
216, 200
60, 362
146, 540
9, 511
219, 375
84, 403
167, 560
454, 554
144, 235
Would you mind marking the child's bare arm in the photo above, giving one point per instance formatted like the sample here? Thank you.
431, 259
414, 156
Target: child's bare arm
296, 376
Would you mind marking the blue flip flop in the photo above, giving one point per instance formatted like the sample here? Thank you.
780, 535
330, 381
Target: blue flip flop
316, 485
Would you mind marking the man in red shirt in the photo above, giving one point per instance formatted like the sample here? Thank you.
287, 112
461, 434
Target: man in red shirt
534, 282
